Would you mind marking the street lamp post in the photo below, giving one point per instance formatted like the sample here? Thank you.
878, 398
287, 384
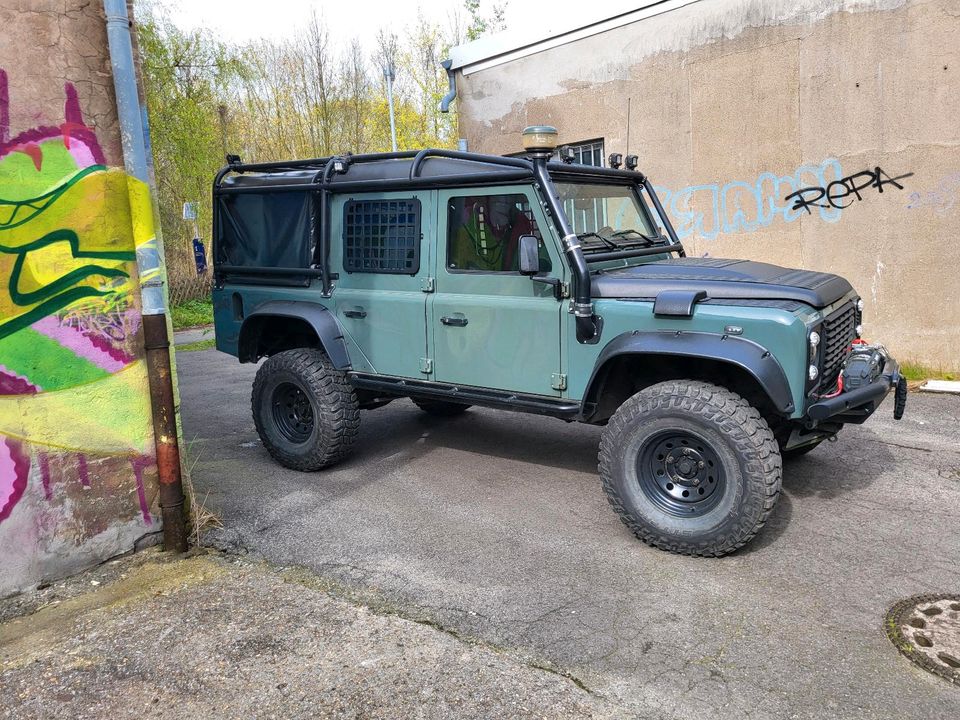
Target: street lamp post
389, 74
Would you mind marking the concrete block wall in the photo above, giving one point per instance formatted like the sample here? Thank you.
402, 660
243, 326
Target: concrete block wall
78, 479
735, 105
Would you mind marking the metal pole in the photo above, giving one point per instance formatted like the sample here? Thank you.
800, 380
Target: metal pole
150, 270
389, 75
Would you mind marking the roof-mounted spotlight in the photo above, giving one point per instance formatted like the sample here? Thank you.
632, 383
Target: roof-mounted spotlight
540, 138
631, 162
615, 160
567, 156
234, 159
339, 165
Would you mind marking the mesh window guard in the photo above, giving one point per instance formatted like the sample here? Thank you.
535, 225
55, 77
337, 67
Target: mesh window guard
382, 236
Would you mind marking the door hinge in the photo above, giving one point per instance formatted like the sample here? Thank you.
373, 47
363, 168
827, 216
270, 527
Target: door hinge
558, 381
564, 290
426, 284
426, 365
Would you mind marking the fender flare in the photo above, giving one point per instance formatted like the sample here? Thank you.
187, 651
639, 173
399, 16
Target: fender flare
745, 354
320, 319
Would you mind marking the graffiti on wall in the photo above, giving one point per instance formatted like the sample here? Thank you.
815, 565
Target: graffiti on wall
842, 193
738, 206
942, 198
72, 380
746, 206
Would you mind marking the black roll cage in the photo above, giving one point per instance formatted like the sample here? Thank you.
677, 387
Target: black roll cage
331, 174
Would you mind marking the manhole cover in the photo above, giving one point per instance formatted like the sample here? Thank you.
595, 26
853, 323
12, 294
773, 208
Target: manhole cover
926, 628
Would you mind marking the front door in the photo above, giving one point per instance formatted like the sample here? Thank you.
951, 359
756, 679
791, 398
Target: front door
490, 326
379, 249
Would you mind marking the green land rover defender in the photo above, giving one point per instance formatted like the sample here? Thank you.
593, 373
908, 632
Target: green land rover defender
537, 285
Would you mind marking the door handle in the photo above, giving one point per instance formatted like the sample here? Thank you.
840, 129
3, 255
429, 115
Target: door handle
355, 313
455, 321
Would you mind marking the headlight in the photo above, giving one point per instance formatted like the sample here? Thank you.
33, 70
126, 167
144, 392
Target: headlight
812, 372
859, 330
814, 344
860, 305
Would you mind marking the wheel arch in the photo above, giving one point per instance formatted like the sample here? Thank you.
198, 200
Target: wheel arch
635, 360
279, 325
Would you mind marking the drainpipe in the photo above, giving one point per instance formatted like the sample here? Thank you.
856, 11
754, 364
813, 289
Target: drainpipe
150, 270
452, 80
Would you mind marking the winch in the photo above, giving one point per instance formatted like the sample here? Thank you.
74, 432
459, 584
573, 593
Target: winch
863, 365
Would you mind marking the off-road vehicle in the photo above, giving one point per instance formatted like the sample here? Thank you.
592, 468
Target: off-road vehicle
537, 285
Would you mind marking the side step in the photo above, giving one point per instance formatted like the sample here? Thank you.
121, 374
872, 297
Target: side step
520, 402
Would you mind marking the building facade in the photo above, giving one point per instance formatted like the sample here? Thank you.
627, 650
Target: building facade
78, 474
814, 133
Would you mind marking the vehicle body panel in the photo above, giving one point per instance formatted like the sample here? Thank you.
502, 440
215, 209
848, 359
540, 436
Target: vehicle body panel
512, 337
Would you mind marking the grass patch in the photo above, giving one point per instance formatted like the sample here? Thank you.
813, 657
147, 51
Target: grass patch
916, 372
191, 314
198, 345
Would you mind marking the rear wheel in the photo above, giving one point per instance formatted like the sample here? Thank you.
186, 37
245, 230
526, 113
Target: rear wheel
441, 408
690, 467
305, 410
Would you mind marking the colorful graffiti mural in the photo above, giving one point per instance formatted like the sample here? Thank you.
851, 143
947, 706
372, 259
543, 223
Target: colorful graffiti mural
737, 206
72, 379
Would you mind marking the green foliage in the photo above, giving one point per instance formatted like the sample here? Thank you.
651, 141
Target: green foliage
191, 314
268, 100
915, 372
481, 24
198, 345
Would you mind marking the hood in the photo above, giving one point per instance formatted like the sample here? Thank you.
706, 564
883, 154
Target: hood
722, 280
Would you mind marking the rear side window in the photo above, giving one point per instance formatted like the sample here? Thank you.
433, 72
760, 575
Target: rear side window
382, 236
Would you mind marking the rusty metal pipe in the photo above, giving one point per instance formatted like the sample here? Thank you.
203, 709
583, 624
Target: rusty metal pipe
130, 112
160, 373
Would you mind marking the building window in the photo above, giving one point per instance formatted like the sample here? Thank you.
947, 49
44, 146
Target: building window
382, 236
588, 153
589, 215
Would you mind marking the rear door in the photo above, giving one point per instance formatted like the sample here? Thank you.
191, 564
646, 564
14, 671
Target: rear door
378, 249
490, 326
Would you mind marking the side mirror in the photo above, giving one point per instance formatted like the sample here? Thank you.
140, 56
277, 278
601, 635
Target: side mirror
529, 255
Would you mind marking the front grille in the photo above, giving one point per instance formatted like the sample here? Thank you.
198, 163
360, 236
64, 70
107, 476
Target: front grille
836, 334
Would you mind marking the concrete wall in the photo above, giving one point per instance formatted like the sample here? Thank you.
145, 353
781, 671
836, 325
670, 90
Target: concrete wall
78, 481
736, 104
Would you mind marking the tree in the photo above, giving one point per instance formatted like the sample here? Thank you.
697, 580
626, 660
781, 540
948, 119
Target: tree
481, 24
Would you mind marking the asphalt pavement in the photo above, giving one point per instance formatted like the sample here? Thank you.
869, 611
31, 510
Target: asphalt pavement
493, 527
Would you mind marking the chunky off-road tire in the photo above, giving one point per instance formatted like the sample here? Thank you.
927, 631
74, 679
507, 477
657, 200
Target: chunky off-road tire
799, 452
305, 410
690, 467
440, 408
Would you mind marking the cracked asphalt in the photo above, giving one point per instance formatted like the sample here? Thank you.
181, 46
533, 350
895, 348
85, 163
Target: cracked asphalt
493, 527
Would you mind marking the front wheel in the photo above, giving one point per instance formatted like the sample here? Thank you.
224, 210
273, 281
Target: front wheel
690, 467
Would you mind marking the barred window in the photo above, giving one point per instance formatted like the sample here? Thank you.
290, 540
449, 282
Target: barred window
382, 236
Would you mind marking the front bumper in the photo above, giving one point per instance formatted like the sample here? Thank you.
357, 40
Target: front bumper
855, 406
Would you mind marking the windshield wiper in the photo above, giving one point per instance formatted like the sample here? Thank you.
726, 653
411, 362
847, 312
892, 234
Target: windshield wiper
631, 231
607, 243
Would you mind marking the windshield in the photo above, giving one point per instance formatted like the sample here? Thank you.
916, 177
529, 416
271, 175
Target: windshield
607, 217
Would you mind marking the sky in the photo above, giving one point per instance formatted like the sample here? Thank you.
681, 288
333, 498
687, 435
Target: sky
242, 20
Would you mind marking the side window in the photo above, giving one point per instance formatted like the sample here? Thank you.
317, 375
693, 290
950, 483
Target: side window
382, 236
483, 233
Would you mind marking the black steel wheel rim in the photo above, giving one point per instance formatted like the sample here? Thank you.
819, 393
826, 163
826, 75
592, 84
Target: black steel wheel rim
292, 412
680, 472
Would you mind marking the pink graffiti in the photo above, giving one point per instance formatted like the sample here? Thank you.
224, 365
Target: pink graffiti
79, 139
14, 469
139, 465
